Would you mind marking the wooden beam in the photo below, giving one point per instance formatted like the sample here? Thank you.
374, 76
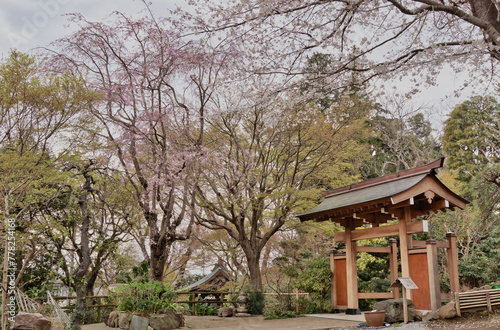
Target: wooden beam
403, 241
351, 270
383, 231
375, 295
430, 183
333, 291
436, 205
393, 266
440, 244
452, 253
374, 218
410, 201
373, 249
433, 267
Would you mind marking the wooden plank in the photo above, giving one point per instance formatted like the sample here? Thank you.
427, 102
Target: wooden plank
393, 266
434, 284
440, 244
473, 293
383, 231
446, 296
452, 257
417, 251
373, 249
333, 290
375, 295
351, 270
340, 283
457, 304
403, 242
419, 274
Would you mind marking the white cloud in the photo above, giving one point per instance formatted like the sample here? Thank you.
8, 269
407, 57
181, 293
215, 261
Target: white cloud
28, 24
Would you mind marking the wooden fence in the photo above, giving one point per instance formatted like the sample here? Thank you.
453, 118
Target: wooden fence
484, 299
90, 302
99, 302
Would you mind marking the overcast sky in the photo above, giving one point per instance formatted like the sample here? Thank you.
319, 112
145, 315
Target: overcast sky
27, 24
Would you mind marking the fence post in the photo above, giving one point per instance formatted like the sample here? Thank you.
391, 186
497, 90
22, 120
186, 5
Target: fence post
393, 265
193, 309
297, 301
433, 271
453, 262
99, 315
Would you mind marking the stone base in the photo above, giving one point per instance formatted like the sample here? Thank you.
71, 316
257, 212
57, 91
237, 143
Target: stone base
242, 315
353, 311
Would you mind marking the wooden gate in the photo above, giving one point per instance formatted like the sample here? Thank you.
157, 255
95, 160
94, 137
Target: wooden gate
419, 271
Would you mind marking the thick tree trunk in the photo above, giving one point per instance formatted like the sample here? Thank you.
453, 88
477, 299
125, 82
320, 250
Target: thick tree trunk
80, 272
158, 252
253, 260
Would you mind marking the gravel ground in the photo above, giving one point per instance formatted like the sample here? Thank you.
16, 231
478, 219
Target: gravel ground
480, 321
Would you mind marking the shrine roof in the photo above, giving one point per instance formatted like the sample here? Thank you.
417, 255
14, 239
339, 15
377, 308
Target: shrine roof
206, 280
382, 191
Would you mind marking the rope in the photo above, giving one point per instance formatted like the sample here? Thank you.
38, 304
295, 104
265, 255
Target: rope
25, 303
59, 312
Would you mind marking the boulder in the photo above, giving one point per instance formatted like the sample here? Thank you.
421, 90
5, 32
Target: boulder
448, 311
56, 324
429, 315
225, 312
112, 320
394, 312
139, 323
31, 321
166, 321
124, 320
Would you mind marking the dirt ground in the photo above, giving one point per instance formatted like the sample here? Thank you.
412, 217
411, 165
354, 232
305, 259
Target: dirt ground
480, 321
258, 322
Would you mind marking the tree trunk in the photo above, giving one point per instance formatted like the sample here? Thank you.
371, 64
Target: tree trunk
80, 272
158, 255
253, 260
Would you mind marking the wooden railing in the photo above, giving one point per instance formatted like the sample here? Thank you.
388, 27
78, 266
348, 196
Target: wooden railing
96, 301
484, 299
90, 302
219, 298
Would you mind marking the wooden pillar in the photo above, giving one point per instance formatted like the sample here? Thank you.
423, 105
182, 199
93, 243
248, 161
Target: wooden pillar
351, 272
393, 266
432, 264
403, 238
405, 303
453, 262
333, 253
405, 244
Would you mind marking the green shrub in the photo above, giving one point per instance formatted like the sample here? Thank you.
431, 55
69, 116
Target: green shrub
145, 298
206, 309
255, 300
278, 307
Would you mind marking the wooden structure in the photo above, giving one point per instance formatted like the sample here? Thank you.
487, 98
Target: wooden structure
401, 196
211, 282
405, 283
474, 300
209, 288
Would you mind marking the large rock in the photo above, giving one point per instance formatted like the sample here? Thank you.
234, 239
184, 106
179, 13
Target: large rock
124, 320
29, 321
139, 323
394, 312
112, 320
448, 311
166, 321
225, 312
429, 316
56, 324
